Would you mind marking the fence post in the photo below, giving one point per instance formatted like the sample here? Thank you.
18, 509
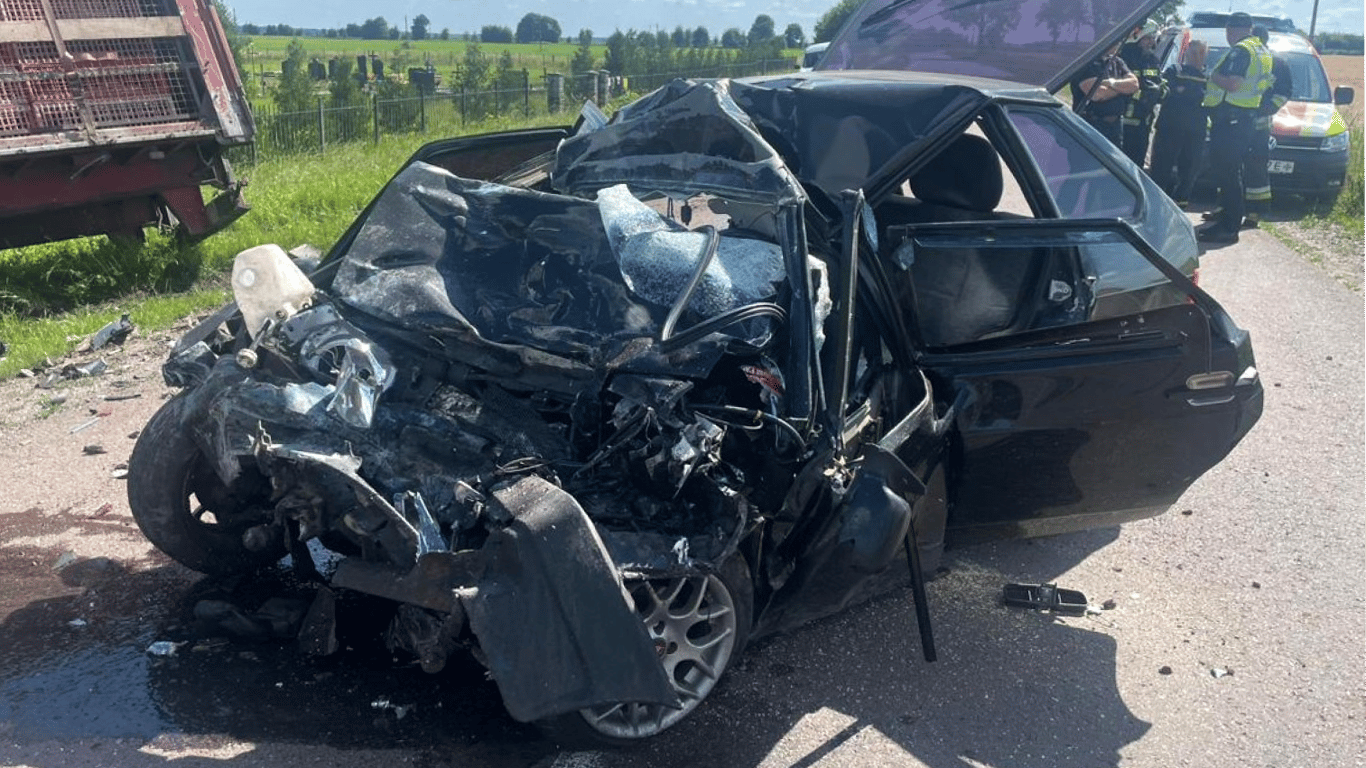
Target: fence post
526, 93
422, 110
374, 106
322, 128
554, 91
463, 105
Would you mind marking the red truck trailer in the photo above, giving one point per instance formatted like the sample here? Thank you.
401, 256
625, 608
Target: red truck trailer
113, 115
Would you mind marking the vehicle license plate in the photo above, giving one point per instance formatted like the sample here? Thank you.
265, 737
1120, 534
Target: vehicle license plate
1280, 166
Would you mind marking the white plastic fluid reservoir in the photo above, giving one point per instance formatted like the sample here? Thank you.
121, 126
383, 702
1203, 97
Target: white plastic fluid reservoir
267, 284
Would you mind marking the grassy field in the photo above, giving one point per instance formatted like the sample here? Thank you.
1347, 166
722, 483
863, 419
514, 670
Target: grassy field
264, 54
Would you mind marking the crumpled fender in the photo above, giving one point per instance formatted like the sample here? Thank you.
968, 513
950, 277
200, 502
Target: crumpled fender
556, 626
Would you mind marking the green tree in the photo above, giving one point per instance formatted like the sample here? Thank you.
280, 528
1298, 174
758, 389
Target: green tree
831, 22
493, 33
420, 25
535, 28
762, 30
374, 29
295, 91
701, 38
342, 85
733, 38
794, 37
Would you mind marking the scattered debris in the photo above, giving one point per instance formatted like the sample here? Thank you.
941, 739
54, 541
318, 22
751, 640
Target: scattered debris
1256, 585
104, 509
120, 472
129, 396
1046, 597
1219, 672
115, 332
83, 425
163, 648
400, 710
1164, 670
78, 623
1108, 605
94, 449
1187, 512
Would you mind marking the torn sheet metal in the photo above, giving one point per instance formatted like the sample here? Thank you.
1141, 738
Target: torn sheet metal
549, 574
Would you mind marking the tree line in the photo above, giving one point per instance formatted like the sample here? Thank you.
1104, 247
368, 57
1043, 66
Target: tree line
539, 28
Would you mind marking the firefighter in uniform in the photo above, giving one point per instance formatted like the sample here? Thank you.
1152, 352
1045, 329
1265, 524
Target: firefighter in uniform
1233, 96
1100, 91
1137, 122
1179, 137
1256, 179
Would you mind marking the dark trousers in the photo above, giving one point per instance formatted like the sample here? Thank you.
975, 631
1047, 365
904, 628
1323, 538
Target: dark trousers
1136, 133
1230, 137
1108, 127
1178, 151
1256, 180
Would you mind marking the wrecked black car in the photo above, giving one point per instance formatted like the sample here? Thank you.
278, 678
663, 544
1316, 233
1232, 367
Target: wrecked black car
600, 404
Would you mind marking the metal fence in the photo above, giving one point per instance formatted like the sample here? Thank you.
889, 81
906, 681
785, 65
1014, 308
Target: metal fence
455, 110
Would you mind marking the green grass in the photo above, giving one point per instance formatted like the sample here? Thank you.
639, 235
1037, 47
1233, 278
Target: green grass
1348, 210
31, 340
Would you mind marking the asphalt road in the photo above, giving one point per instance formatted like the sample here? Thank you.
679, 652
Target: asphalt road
1235, 637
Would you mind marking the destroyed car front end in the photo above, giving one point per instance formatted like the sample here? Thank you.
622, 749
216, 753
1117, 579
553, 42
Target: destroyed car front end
599, 406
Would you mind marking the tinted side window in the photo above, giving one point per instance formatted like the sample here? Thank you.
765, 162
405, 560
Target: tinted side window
1083, 187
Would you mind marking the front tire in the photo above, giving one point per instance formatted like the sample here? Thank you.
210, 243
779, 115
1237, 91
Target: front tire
183, 507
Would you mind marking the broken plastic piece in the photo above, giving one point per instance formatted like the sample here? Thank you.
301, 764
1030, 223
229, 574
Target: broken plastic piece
1047, 597
113, 333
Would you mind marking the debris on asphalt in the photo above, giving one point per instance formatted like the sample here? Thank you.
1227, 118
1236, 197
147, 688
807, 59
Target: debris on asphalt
1164, 670
83, 425
104, 509
1046, 597
94, 449
1219, 672
129, 396
119, 472
1256, 585
400, 710
1187, 512
78, 623
163, 648
1108, 605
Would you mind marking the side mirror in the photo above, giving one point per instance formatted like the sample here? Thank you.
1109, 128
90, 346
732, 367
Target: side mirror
1343, 94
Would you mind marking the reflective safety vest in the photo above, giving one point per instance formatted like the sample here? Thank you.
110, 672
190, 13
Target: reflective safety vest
1255, 82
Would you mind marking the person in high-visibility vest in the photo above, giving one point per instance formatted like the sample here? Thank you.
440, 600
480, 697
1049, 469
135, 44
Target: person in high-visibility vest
1233, 96
1256, 179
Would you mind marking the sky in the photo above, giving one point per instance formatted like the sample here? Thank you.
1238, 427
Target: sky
605, 16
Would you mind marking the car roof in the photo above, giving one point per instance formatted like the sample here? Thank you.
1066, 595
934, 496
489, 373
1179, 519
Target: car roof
1277, 42
1036, 42
1217, 20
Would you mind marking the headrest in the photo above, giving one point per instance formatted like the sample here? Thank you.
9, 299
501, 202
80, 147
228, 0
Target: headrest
967, 174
